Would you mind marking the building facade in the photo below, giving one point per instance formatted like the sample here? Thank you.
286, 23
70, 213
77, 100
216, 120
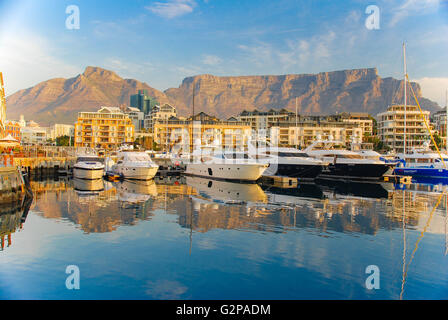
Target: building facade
263, 120
13, 128
182, 134
391, 124
59, 130
106, 129
136, 116
159, 113
34, 135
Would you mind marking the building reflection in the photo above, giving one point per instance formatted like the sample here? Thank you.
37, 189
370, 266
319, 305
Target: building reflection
12, 218
204, 204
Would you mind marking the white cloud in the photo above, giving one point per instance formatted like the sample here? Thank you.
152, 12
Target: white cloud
434, 88
412, 7
27, 59
172, 8
211, 60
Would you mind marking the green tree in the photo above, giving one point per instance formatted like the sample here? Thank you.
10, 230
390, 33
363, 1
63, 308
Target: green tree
64, 141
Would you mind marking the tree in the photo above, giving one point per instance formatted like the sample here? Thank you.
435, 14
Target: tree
64, 141
437, 140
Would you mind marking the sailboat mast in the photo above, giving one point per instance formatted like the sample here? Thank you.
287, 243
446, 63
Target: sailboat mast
446, 120
405, 98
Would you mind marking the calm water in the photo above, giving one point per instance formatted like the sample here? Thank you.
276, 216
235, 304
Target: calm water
200, 239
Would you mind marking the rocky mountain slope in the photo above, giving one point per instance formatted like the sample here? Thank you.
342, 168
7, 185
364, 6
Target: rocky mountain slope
359, 90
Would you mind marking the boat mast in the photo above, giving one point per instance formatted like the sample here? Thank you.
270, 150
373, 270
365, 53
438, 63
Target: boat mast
405, 100
446, 120
297, 129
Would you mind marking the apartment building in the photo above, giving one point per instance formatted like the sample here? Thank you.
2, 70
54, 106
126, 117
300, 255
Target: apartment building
58, 130
307, 130
176, 134
136, 116
391, 125
159, 113
107, 128
263, 120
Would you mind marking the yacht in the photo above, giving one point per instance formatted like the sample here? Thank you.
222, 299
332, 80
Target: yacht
134, 165
88, 166
422, 163
346, 164
212, 162
288, 162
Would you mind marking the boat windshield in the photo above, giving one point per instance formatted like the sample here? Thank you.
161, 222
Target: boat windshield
289, 154
89, 159
137, 157
236, 156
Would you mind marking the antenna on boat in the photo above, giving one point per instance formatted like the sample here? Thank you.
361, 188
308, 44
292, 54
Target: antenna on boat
405, 99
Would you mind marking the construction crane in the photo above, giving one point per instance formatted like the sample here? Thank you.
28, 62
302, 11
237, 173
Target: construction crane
2, 106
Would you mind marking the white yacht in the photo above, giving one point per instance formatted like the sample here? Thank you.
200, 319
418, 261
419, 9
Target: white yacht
212, 162
346, 164
134, 165
88, 166
288, 162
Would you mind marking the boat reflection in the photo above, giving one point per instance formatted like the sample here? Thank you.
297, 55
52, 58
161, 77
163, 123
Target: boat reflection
356, 189
136, 191
227, 192
295, 195
88, 186
12, 217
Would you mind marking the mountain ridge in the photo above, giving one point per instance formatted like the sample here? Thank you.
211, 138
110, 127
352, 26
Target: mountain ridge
58, 100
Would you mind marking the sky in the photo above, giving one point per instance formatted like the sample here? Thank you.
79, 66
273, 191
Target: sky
162, 42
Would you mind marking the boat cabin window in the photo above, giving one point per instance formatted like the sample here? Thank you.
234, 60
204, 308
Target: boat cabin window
236, 156
289, 154
90, 159
349, 156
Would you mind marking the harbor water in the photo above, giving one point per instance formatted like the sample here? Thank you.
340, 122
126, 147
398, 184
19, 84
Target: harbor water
194, 238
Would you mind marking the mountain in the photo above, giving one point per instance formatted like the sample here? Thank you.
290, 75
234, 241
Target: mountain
59, 100
359, 90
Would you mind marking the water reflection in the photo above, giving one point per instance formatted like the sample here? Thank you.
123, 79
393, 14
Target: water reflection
12, 217
328, 232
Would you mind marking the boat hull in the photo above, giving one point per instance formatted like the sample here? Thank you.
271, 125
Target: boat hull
422, 172
356, 171
135, 173
240, 172
296, 170
88, 174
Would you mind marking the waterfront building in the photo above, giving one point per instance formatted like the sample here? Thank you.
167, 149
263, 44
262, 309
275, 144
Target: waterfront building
12, 128
58, 130
107, 128
439, 123
263, 120
309, 128
159, 113
202, 127
391, 125
362, 119
143, 101
33, 135
136, 116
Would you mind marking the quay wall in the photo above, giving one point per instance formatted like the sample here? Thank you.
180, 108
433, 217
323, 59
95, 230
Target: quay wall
12, 185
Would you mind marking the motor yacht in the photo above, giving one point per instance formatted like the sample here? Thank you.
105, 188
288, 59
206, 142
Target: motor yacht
422, 163
134, 165
88, 166
289, 162
345, 164
213, 162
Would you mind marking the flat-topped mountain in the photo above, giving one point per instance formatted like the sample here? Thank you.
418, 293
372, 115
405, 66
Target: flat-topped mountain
359, 90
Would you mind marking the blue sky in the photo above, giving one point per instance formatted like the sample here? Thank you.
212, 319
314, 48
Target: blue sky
161, 42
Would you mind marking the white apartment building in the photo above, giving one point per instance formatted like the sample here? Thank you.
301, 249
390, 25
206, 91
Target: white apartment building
58, 130
137, 117
391, 125
159, 113
33, 135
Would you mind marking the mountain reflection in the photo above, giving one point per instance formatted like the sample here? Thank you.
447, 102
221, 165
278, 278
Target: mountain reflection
203, 204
